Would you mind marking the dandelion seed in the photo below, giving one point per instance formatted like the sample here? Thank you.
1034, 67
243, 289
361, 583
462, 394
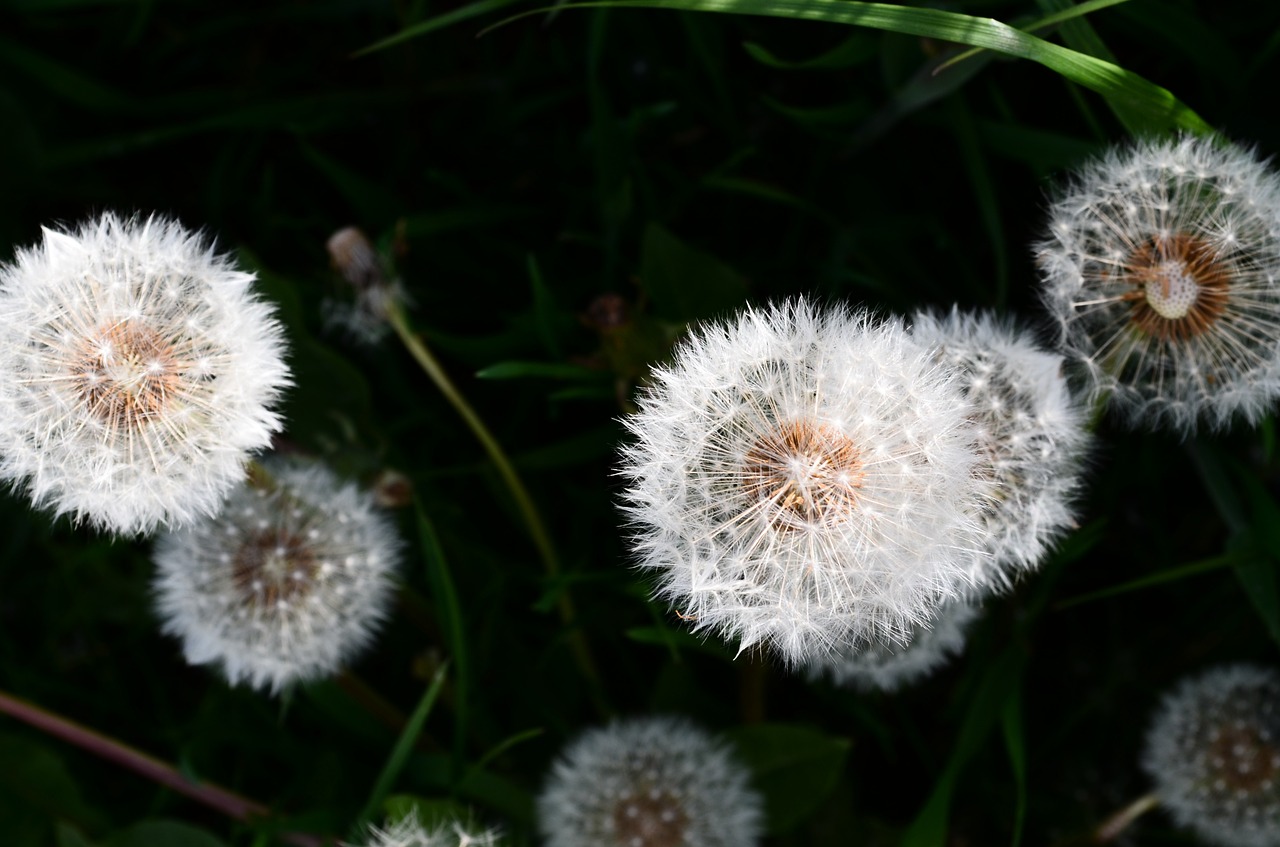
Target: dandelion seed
409, 831
804, 479
1032, 436
137, 372
1162, 265
277, 588
1213, 752
648, 782
889, 666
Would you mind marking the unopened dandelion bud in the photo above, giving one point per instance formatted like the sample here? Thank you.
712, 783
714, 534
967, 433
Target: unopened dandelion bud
375, 292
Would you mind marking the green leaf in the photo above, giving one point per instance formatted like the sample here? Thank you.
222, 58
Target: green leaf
999, 683
794, 767
854, 50
163, 832
684, 283
403, 749
542, 370
431, 811
1149, 107
449, 611
66, 835
1011, 723
35, 790
449, 18
1257, 573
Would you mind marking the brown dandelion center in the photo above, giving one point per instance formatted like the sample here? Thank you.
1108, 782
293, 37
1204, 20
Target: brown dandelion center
126, 373
653, 818
273, 567
809, 473
1180, 287
1242, 758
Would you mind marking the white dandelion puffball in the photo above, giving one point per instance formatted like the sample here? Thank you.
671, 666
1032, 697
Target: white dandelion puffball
409, 831
285, 584
1161, 265
888, 666
804, 479
138, 369
1032, 436
1213, 752
648, 782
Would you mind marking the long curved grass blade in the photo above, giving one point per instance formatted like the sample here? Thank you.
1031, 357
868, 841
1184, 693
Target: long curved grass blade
1148, 107
404, 747
449, 18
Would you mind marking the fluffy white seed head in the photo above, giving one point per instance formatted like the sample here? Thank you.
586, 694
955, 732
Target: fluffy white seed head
410, 831
1032, 436
804, 479
1213, 752
138, 369
285, 584
648, 782
1162, 265
890, 666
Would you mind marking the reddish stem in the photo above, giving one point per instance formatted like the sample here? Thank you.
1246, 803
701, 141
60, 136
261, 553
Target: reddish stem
214, 796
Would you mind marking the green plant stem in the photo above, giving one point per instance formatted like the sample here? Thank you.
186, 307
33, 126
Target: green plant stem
528, 511
227, 802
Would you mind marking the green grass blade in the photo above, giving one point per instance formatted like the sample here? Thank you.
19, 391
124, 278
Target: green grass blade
1168, 575
1011, 722
453, 16
445, 597
1150, 107
999, 683
400, 753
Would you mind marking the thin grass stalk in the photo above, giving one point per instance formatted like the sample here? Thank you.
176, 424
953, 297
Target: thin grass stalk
229, 803
528, 510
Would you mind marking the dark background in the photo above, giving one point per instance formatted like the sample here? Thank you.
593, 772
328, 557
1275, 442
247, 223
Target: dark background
515, 179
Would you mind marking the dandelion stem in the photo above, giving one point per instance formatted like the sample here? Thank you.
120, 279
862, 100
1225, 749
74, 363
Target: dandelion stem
1118, 822
528, 510
227, 802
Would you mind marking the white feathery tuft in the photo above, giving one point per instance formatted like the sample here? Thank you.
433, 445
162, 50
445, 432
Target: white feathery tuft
138, 370
888, 666
285, 584
1032, 436
804, 479
410, 831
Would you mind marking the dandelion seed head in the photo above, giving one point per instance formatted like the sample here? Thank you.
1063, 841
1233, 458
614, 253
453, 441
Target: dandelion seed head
890, 666
649, 782
803, 479
1213, 751
138, 370
274, 589
1032, 436
410, 831
1161, 267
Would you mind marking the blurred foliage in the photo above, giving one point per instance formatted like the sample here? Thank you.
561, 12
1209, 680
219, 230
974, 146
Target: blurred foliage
559, 197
